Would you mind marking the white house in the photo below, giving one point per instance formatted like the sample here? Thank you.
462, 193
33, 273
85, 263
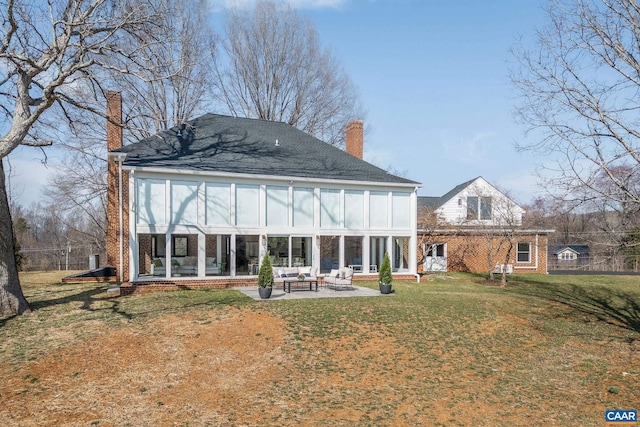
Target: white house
474, 224
206, 200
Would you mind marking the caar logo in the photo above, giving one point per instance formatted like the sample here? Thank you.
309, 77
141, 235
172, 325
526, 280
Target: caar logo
621, 416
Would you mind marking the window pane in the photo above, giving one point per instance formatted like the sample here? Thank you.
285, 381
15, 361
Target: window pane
329, 253
401, 212
151, 201
524, 252
301, 251
377, 248
485, 208
353, 252
354, 209
472, 207
277, 206
218, 204
246, 255
278, 248
217, 255
400, 253
378, 210
247, 202
184, 259
184, 202
303, 207
329, 208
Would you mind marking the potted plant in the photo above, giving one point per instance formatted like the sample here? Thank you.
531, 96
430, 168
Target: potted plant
265, 277
301, 276
384, 275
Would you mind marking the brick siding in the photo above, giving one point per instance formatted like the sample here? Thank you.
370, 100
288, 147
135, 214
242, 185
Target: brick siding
468, 252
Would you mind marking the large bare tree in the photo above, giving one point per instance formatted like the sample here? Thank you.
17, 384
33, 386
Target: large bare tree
50, 52
579, 98
274, 68
173, 86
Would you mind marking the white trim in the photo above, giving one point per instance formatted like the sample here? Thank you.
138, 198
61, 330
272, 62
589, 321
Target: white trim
279, 178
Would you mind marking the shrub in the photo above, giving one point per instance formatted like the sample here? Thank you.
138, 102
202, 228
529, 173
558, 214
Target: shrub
384, 274
265, 275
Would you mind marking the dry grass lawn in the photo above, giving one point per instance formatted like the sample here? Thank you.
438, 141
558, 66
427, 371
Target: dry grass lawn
453, 350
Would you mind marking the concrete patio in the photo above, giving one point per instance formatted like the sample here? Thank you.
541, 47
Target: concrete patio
279, 294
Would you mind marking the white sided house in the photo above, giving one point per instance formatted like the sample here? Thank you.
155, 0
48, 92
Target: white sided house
202, 203
472, 226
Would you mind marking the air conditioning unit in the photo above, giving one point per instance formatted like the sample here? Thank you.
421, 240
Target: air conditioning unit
502, 267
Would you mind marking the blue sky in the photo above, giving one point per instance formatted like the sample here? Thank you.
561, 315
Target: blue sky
434, 79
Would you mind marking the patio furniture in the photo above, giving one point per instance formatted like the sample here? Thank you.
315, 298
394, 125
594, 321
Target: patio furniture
282, 273
339, 279
288, 281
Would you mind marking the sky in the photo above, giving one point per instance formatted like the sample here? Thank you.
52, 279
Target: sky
433, 77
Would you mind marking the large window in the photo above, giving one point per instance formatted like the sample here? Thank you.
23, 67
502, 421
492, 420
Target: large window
184, 255
353, 209
303, 207
401, 211
329, 208
247, 255
247, 205
218, 204
524, 252
184, 202
217, 251
479, 208
353, 252
301, 254
151, 201
278, 247
277, 206
329, 253
378, 210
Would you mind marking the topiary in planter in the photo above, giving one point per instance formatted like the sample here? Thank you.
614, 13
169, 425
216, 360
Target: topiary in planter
265, 277
384, 275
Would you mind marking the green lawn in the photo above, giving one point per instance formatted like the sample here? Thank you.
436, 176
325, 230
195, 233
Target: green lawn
452, 350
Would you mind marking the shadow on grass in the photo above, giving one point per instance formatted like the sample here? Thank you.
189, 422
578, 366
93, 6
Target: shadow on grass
94, 300
614, 307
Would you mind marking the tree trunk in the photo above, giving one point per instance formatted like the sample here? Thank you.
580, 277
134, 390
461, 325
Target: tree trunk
506, 262
12, 301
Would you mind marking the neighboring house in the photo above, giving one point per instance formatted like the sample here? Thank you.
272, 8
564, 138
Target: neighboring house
202, 203
568, 256
471, 227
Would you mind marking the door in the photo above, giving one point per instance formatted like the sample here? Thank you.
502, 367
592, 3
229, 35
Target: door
436, 259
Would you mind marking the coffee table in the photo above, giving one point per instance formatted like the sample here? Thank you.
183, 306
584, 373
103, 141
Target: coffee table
310, 280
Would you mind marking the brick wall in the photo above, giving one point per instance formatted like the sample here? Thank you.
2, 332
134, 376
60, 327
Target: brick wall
469, 252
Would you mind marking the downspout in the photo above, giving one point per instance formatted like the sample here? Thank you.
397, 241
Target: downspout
120, 222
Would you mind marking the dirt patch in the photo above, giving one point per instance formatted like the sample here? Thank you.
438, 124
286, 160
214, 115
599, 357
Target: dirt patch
169, 371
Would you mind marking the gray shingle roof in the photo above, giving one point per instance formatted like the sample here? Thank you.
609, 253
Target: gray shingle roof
434, 203
215, 143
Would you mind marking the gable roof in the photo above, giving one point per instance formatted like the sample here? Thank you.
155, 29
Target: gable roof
435, 202
216, 143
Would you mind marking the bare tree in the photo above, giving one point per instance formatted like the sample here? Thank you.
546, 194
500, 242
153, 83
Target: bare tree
275, 69
579, 98
50, 52
173, 86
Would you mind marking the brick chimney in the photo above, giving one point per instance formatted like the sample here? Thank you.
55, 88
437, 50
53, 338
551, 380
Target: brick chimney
114, 217
114, 120
354, 140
